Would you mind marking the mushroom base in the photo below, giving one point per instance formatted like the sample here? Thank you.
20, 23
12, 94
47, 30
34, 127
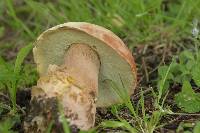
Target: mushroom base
43, 112
74, 85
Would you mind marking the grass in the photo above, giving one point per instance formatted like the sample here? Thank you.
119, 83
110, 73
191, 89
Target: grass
163, 23
145, 123
10, 76
136, 21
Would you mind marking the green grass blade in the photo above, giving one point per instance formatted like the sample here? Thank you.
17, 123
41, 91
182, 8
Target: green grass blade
118, 124
161, 86
20, 57
63, 120
49, 128
17, 21
18, 66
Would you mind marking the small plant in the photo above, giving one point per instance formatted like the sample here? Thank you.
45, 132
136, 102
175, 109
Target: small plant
187, 99
184, 71
189, 127
10, 75
144, 122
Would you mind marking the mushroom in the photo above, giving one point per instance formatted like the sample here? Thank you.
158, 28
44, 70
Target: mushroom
74, 61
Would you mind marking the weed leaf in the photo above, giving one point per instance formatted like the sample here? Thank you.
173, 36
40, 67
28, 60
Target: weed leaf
185, 56
112, 124
187, 99
196, 75
118, 124
197, 127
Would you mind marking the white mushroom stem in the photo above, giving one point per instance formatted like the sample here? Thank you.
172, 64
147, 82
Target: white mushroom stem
75, 84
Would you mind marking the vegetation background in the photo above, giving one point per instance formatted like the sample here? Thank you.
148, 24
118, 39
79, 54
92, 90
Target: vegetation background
164, 38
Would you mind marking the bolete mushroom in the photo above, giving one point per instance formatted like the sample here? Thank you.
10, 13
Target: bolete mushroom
74, 61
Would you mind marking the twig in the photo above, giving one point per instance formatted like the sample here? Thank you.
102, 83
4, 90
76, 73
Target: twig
161, 62
2, 94
145, 69
170, 122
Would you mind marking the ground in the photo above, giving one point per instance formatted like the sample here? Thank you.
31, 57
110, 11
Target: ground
155, 31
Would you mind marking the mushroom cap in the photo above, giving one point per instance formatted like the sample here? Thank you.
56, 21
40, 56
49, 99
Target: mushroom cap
117, 62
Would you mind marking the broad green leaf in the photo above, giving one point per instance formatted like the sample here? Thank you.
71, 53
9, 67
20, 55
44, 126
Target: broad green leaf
187, 99
183, 69
112, 124
198, 56
185, 56
197, 127
175, 67
196, 74
185, 77
190, 64
118, 124
181, 74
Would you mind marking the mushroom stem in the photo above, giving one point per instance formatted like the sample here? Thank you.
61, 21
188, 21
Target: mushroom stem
83, 66
74, 85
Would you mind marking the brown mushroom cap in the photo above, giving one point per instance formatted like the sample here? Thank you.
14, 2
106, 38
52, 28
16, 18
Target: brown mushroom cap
117, 62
